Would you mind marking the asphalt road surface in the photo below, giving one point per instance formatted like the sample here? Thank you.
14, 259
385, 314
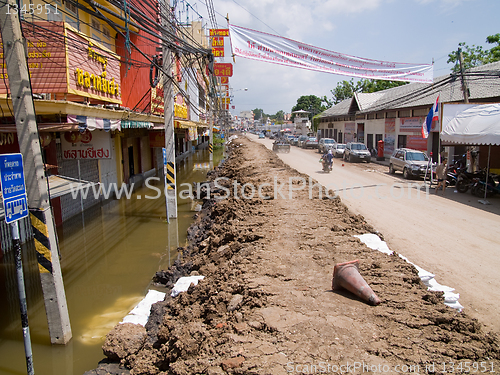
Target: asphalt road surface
452, 235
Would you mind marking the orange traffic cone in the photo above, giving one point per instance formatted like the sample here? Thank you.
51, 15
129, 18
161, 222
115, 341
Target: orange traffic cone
346, 275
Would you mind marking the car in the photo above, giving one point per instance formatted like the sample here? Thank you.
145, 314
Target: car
326, 144
262, 135
357, 151
310, 142
301, 139
294, 140
338, 150
413, 163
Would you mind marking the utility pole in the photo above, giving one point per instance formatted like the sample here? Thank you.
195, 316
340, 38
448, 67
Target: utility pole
464, 84
170, 188
37, 188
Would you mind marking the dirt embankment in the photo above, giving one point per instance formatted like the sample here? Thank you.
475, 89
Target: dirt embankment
266, 305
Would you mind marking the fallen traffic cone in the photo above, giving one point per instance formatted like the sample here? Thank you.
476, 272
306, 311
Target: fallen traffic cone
342, 164
346, 275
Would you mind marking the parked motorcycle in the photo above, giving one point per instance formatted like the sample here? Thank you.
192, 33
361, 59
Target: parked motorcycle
479, 186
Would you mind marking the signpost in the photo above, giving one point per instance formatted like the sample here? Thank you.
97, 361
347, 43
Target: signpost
15, 205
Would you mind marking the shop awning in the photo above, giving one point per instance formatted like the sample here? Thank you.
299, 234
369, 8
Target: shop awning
46, 127
93, 123
62, 185
471, 124
59, 186
184, 124
130, 124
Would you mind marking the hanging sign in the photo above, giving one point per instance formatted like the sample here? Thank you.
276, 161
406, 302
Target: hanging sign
219, 32
218, 51
223, 69
278, 50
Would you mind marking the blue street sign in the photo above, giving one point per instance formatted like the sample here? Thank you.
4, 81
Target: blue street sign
15, 202
164, 150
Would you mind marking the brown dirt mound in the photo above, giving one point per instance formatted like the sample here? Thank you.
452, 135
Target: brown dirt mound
266, 305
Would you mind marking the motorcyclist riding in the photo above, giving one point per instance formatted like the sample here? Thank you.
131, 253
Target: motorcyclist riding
327, 161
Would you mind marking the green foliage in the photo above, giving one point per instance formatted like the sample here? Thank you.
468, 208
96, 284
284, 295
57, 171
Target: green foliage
346, 89
258, 113
476, 55
310, 103
218, 141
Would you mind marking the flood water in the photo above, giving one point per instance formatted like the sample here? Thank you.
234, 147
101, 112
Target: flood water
108, 257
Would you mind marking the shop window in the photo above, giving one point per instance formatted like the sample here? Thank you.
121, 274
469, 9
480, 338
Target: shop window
405, 113
379, 115
391, 114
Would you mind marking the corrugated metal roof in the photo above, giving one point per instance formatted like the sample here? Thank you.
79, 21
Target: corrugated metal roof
449, 87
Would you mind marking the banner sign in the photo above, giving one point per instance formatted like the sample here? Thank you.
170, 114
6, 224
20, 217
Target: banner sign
86, 145
270, 48
411, 124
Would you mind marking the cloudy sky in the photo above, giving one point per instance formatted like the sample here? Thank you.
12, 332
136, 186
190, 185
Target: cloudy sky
412, 31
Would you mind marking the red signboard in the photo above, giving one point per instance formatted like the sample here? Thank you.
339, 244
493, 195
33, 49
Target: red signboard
224, 80
218, 51
219, 32
223, 69
72, 65
218, 42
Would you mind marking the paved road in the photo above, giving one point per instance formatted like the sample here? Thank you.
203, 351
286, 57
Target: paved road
453, 236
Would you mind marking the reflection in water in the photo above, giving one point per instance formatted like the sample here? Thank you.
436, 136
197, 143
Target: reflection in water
109, 254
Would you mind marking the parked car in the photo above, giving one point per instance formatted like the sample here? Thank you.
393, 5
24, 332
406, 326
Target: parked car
326, 144
356, 151
338, 150
262, 135
301, 140
294, 140
413, 163
310, 142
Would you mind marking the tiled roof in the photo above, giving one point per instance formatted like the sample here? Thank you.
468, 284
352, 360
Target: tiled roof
448, 87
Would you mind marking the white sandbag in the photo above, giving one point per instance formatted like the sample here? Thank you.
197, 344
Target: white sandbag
140, 313
182, 285
451, 299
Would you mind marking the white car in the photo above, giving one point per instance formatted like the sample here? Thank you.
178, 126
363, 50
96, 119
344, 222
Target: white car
338, 150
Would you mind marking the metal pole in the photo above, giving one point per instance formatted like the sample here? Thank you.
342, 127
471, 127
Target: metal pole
16, 243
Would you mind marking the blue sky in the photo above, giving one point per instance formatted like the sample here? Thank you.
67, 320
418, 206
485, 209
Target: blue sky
413, 31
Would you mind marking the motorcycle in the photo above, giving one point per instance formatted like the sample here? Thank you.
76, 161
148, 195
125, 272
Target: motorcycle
479, 186
327, 165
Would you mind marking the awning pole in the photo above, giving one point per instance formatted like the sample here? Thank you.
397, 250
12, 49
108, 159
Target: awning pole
484, 201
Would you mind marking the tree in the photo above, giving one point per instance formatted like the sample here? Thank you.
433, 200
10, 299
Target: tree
472, 56
346, 89
258, 113
476, 55
311, 104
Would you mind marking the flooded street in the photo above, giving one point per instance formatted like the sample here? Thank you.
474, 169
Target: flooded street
108, 256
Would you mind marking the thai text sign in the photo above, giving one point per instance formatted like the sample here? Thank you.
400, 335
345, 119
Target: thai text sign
412, 124
86, 145
219, 32
223, 69
278, 50
46, 58
97, 70
14, 198
62, 60
218, 51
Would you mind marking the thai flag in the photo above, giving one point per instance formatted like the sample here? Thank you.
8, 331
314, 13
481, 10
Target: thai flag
433, 115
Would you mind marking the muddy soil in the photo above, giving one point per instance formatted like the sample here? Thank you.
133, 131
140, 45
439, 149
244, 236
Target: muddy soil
266, 304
